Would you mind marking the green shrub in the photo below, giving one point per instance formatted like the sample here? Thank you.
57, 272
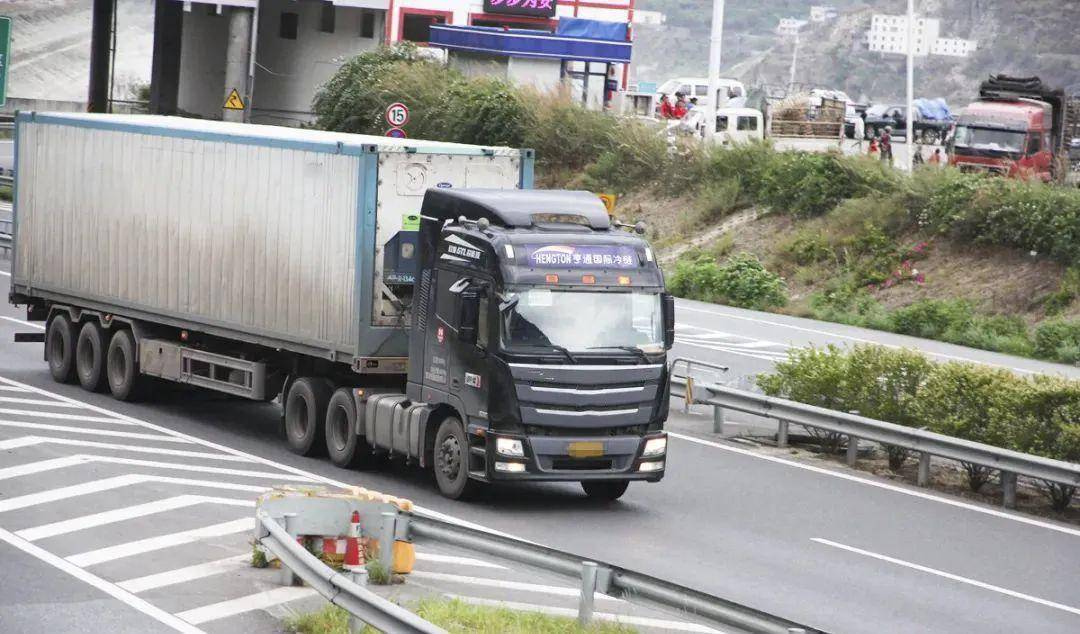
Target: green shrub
1058, 340
636, 156
565, 135
931, 318
806, 246
487, 111
741, 280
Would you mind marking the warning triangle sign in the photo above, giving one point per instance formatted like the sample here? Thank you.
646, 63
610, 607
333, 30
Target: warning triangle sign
234, 102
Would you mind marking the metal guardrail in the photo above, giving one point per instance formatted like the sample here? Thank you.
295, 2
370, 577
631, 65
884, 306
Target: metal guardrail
336, 587
598, 576
927, 444
687, 380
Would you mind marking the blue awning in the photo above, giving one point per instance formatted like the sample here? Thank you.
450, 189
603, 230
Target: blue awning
528, 43
591, 29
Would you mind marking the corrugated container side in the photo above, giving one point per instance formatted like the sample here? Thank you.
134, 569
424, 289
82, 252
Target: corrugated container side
253, 238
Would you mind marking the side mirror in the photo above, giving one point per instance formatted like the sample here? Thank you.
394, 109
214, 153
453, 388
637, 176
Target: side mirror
669, 319
468, 316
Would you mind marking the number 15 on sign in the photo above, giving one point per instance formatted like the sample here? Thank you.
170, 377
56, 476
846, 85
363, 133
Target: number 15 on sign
397, 114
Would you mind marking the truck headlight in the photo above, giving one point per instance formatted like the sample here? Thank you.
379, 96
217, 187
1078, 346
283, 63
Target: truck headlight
509, 447
648, 467
510, 467
655, 447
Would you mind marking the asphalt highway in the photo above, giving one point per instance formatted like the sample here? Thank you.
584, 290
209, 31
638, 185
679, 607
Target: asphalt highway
837, 550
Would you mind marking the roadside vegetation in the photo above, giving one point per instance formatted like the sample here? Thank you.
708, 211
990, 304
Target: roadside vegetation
856, 232
1037, 415
458, 617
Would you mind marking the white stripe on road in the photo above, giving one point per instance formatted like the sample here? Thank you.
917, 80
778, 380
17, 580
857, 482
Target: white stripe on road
188, 573
12, 388
882, 485
64, 416
948, 575
35, 401
70, 461
119, 515
116, 482
454, 559
138, 547
735, 352
22, 323
92, 431
27, 441
258, 601
486, 582
680, 626
95, 581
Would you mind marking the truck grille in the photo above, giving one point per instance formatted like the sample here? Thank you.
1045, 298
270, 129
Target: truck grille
567, 432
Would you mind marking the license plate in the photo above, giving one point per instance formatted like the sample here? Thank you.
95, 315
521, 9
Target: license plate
585, 449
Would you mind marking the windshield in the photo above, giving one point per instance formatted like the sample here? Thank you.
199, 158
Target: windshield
989, 139
583, 320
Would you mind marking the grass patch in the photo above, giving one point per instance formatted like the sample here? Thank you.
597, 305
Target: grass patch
458, 617
258, 558
378, 573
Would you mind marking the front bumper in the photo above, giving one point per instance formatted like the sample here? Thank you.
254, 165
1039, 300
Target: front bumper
577, 458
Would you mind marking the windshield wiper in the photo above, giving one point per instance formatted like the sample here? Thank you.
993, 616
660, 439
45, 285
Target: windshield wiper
563, 350
636, 350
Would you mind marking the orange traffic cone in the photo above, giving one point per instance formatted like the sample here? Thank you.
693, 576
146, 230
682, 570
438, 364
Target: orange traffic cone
354, 560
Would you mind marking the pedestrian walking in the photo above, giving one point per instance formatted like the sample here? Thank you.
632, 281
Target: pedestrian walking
935, 158
873, 150
886, 144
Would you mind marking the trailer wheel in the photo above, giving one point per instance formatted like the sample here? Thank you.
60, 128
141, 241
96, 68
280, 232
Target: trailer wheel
346, 447
452, 460
60, 349
90, 356
608, 490
122, 367
305, 413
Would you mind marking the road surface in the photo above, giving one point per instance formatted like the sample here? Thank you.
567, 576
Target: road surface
834, 549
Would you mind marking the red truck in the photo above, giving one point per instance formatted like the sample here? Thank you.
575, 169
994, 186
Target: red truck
1018, 128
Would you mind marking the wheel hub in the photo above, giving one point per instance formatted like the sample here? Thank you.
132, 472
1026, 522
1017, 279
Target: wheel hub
449, 457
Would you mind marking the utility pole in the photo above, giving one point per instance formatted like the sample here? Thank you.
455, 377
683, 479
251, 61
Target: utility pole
237, 64
910, 85
794, 63
715, 40
101, 33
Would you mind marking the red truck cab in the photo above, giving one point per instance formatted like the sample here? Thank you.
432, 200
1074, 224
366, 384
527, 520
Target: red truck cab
1012, 138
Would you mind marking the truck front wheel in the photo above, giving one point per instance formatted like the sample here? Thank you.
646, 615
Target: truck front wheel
305, 413
60, 349
452, 460
608, 490
90, 356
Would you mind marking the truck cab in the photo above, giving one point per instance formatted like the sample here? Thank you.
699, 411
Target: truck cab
538, 340
1009, 138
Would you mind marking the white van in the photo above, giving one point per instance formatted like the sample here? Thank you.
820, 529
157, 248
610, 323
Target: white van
733, 125
699, 87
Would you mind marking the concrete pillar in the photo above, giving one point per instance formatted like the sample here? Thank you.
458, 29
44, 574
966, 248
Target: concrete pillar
165, 68
852, 450
923, 478
100, 55
237, 56
1008, 489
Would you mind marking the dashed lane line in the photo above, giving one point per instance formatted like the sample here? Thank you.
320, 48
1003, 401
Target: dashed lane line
95, 520
29, 441
81, 459
138, 547
232, 607
116, 482
187, 573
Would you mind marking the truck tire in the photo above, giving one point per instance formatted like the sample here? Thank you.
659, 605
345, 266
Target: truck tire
608, 490
305, 416
90, 356
344, 444
452, 460
60, 349
122, 367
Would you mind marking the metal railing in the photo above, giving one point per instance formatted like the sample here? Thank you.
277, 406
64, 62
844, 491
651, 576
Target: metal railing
597, 576
687, 380
336, 587
925, 443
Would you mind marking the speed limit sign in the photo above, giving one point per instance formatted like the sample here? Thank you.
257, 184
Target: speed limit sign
397, 114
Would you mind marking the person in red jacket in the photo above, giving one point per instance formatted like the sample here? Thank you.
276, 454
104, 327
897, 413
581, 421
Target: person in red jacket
666, 111
679, 110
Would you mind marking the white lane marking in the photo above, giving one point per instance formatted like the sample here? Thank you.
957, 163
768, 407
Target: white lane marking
129, 512
258, 601
27, 441
77, 459
12, 388
185, 574
96, 432
643, 621
735, 352
64, 416
881, 485
948, 575
853, 338
97, 582
561, 591
138, 547
454, 559
22, 323
179, 437
116, 482
5, 273
34, 401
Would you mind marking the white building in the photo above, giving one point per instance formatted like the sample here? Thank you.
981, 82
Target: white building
889, 33
790, 26
953, 46
823, 13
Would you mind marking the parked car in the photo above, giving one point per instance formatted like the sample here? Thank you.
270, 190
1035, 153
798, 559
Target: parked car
929, 131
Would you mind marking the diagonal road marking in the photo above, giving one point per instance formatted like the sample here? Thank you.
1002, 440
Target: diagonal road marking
79, 459
138, 547
28, 441
116, 482
185, 574
92, 431
258, 601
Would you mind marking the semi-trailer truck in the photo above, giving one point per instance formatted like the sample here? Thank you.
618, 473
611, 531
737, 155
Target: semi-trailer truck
397, 297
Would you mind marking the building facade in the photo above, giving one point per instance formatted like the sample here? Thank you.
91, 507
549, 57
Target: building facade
823, 13
889, 34
953, 47
789, 26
